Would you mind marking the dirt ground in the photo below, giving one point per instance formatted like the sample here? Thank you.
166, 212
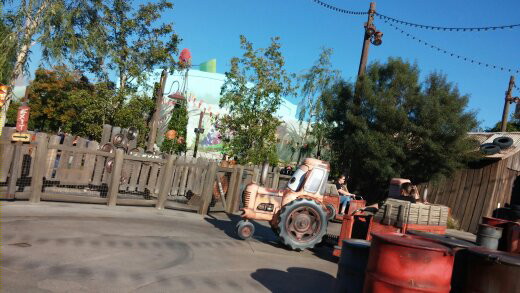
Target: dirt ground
61, 247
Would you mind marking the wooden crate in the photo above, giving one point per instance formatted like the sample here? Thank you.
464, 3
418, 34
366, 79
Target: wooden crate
398, 212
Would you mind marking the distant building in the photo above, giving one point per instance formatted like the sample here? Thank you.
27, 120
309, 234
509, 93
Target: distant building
203, 90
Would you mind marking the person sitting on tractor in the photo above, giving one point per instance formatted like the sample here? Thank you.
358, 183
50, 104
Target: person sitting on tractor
409, 193
344, 195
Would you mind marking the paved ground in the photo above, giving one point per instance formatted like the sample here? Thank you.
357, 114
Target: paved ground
59, 247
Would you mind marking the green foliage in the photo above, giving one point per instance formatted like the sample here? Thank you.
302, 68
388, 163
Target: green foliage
62, 100
316, 80
252, 93
8, 49
512, 126
391, 125
178, 122
115, 38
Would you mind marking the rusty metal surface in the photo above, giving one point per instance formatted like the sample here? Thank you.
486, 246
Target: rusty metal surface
352, 265
405, 263
491, 271
442, 239
410, 241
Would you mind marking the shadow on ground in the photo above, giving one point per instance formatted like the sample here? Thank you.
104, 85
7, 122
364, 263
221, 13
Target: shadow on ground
295, 280
264, 234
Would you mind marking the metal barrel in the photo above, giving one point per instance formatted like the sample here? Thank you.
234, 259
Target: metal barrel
488, 236
459, 248
352, 265
490, 271
406, 263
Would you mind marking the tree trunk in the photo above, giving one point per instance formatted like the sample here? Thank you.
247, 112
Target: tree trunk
30, 26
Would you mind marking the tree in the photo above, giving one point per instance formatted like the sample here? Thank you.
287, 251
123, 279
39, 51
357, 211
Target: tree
392, 125
8, 49
108, 38
252, 93
178, 122
315, 81
62, 100
114, 39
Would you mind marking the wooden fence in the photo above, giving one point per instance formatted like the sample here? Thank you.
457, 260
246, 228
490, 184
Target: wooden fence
475, 192
64, 168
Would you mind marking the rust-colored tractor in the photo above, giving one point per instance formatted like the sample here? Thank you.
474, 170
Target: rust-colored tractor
297, 213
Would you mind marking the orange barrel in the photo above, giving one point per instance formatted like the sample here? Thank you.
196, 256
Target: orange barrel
459, 248
406, 263
352, 265
490, 271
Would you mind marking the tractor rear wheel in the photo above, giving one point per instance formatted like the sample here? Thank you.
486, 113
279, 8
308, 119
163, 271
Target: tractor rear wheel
303, 222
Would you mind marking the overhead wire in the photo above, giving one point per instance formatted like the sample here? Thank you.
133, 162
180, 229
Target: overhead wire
460, 57
345, 11
444, 28
417, 25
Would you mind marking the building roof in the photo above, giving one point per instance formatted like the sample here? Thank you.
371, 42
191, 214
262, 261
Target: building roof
488, 137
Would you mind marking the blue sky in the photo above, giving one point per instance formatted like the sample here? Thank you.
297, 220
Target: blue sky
211, 29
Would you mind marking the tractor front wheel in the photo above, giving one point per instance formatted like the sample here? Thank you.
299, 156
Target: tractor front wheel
245, 229
303, 222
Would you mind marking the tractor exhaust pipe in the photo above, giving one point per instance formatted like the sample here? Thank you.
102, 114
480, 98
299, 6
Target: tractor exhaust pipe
265, 170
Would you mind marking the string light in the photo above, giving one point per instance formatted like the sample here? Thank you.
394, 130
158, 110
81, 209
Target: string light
341, 10
416, 25
442, 28
467, 59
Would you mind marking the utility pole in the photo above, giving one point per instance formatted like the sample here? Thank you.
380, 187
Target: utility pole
198, 131
366, 39
508, 100
154, 123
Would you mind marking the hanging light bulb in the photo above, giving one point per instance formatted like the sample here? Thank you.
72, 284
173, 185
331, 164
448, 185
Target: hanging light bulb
377, 39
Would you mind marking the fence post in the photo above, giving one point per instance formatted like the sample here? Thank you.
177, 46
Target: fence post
39, 165
116, 178
166, 182
234, 204
13, 176
276, 178
207, 192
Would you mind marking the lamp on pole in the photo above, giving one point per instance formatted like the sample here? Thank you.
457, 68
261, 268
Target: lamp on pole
371, 35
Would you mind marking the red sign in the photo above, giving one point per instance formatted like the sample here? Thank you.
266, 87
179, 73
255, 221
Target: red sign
22, 119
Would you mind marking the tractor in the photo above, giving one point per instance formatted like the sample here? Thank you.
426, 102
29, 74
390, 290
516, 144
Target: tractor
297, 213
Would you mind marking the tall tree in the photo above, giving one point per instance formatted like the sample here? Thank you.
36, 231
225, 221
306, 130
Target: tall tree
114, 39
314, 82
25, 24
108, 38
8, 49
252, 93
394, 126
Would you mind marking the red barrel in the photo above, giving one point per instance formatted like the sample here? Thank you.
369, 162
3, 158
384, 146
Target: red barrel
405, 263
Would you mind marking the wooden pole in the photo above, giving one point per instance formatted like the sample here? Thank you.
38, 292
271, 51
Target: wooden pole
508, 100
207, 193
39, 166
166, 182
366, 40
157, 113
15, 166
197, 137
116, 177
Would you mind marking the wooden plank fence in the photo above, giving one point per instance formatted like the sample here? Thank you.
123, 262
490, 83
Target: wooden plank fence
74, 169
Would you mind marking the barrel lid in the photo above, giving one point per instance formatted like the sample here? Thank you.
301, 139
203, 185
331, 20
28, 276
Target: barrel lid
356, 242
496, 256
443, 239
410, 241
